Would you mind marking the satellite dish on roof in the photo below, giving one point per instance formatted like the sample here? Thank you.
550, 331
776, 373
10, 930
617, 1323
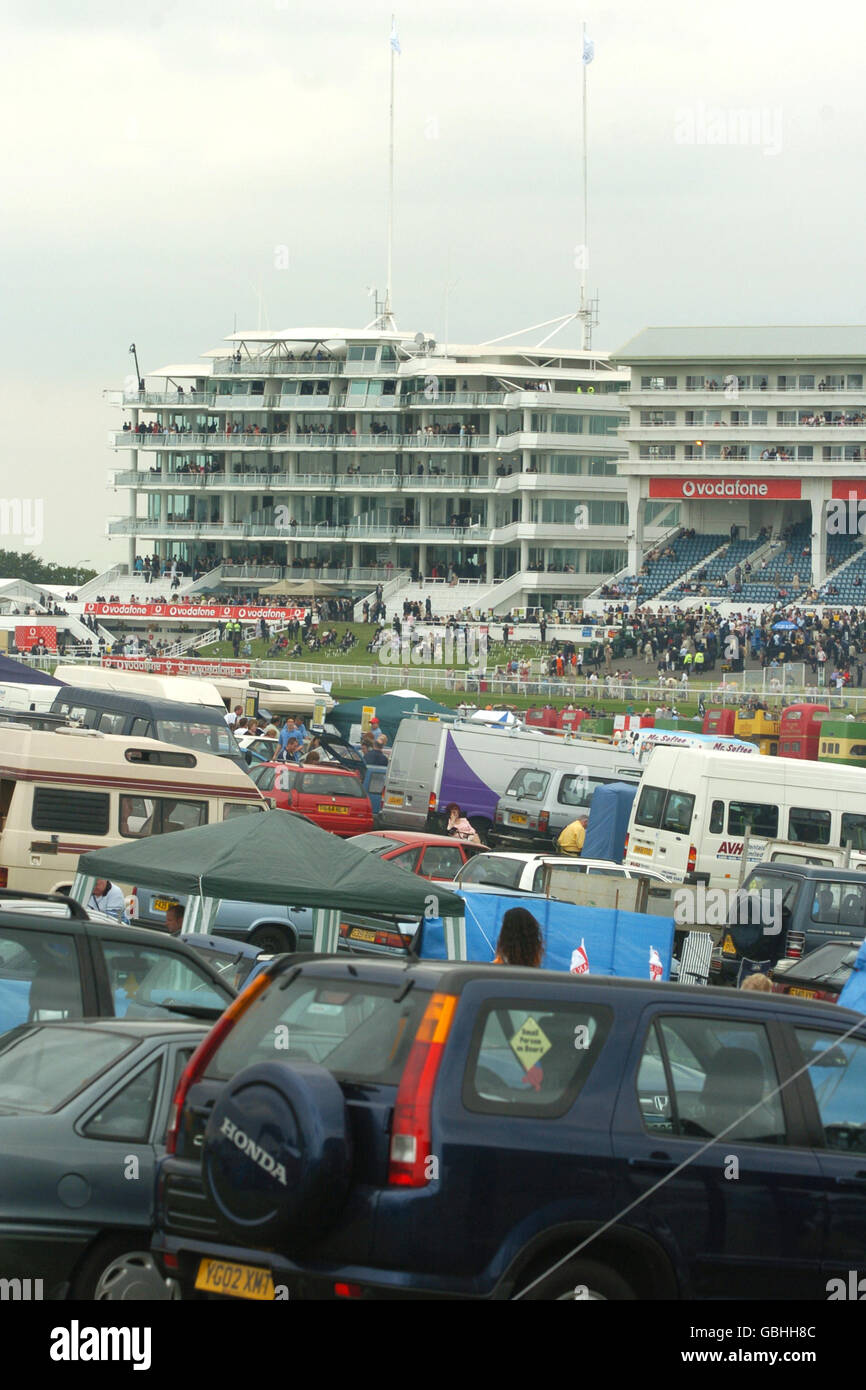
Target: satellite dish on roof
419, 340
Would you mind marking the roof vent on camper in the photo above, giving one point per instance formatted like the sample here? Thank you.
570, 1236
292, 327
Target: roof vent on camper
78, 732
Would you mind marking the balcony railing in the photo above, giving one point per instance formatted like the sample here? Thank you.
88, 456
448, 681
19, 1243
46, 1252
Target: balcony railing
148, 399
279, 366
268, 441
386, 481
352, 531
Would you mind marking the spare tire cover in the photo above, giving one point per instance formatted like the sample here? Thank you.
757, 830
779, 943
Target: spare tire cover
277, 1154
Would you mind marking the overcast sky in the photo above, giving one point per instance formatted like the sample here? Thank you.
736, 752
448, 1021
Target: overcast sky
157, 155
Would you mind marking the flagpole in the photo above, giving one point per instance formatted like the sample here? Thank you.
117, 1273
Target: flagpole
388, 315
584, 315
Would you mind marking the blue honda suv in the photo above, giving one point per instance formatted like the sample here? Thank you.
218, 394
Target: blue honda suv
385, 1128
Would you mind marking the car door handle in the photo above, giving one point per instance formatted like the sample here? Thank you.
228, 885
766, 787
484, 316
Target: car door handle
656, 1163
857, 1180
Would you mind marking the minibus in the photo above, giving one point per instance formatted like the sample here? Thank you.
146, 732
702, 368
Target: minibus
693, 807
70, 790
643, 741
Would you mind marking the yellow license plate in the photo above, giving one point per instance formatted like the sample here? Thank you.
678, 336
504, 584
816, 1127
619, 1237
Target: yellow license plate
803, 993
641, 849
237, 1281
359, 934
394, 800
515, 819
162, 904
335, 810
728, 947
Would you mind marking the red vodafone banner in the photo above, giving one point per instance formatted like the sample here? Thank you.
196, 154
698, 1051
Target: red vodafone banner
204, 612
725, 489
27, 637
177, 666
846, 488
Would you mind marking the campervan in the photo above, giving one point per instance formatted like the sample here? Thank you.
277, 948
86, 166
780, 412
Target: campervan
198, 727
694, 807
70, 790
276, 696
434, 762
190, 690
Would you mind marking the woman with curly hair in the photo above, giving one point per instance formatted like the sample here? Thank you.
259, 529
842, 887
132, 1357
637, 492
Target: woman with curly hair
520, 940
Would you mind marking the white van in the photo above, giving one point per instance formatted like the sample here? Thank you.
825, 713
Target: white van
277, 696
693, 806
21, 697
437, 761
71, 790
189, 690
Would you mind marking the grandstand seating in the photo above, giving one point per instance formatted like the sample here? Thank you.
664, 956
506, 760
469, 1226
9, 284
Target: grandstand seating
661, 573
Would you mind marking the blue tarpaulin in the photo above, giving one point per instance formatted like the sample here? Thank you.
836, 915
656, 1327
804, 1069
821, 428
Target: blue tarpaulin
853, 996
609, 813
617, 943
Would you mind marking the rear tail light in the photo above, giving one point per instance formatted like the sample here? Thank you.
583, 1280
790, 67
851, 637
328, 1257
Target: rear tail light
625, 847
431, 802
692, 859
794, 943
347, 1290
543, 820
207, 1047
411, 1134
4, 878
498, 816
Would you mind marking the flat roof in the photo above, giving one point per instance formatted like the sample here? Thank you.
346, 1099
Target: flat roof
808, 342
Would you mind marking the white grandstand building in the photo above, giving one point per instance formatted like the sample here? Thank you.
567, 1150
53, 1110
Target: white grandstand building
370, 455
758, 436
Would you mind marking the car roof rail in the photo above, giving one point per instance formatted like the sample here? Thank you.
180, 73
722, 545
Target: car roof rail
76, 911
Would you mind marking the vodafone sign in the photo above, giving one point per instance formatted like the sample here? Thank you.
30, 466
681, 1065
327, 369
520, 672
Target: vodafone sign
725, 489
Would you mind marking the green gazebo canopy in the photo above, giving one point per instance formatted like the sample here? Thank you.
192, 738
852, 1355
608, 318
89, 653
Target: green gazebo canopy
273, 857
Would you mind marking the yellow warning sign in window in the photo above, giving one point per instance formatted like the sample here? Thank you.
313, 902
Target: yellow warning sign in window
530, 1043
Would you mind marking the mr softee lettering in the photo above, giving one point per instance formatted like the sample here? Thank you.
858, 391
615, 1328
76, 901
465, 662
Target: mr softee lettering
259, 1156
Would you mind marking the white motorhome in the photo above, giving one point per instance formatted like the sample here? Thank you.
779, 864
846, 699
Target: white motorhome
277, 696
437, 761
71, 790
694, 805
643, 741
188, 690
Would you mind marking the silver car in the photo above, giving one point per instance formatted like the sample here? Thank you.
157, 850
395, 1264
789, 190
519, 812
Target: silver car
84, 1108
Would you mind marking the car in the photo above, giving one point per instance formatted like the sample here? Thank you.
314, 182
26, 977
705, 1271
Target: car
257, 749
521, 871
270, 927
404, 1129
539, 803
430, 856
73, 967
786, 910
237, 961
83, 1113
820, 974
332, 797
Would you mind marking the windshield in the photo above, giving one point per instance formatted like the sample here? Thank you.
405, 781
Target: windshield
356, 1030
193, 733
528, 784
320, 784
43, 1068
491, 868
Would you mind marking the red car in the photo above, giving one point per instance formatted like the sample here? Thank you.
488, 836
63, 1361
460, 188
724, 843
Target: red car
330, 796
430, 856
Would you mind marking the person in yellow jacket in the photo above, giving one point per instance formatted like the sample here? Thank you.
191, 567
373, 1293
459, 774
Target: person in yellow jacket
572, 838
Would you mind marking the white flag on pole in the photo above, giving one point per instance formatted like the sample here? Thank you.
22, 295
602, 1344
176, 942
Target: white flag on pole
395, 41
588, 50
